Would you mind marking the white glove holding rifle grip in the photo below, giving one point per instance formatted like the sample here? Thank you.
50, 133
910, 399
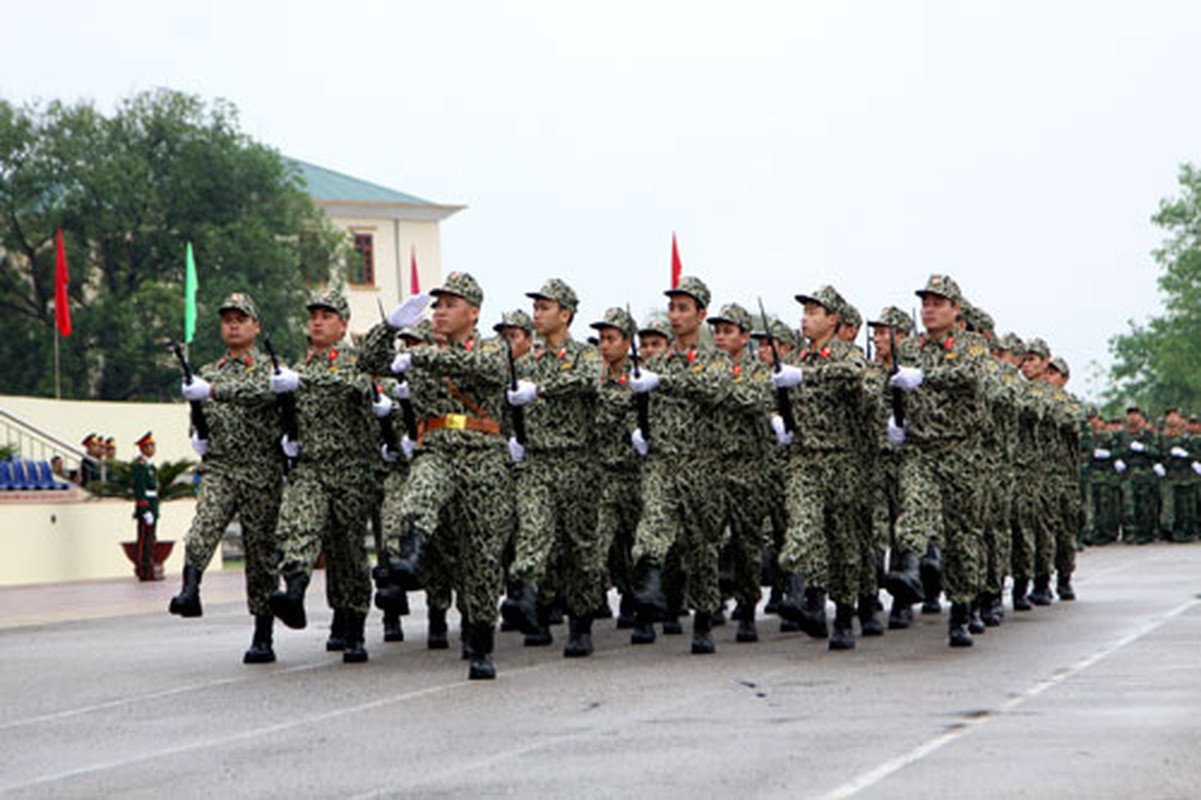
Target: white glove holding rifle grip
516, 450
896, 433
199, 389
787, 377
523, 395
402, 363
201, 446
284, 381
1119, 466
408, 313
381, 407
784, 437
1101, 454
401, 390
645, 381
291, 449
1137, 446
907, 378
1179, 452
640, 443
1159, 470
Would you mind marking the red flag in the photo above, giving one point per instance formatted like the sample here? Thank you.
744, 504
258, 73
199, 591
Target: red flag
676, 267
414, 284
62, 306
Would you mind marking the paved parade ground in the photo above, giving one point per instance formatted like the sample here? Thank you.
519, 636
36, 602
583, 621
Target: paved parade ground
106, 695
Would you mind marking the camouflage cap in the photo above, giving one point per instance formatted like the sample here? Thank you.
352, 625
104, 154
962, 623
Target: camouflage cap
943, 286
1038, 347
978, 319
333, 300
850, 316
240, 301
779, 331
1010, 341
1091, 410
733, 313
1060, 365
693, 287
422, 332
615, 318
462, 285
893, 317
514, 319
827, 297
656, 325
557, 290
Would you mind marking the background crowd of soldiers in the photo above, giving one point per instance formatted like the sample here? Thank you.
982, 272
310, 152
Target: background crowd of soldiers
525, 475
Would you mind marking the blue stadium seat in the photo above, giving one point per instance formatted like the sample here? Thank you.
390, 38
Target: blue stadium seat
21, 480
47, 479
6, 476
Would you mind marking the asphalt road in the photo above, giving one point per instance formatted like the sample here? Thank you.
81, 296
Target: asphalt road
106, 695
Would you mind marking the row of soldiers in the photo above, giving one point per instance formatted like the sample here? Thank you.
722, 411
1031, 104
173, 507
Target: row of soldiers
682, 470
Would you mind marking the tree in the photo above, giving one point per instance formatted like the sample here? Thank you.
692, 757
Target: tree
129, 192
1158, 365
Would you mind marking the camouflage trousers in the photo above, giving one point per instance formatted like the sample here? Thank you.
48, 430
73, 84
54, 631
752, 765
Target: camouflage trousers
1066, 524
825, 530
461, 500
1105, 507
617, 517
941, 497
253, 497
1180, 514
682, 506
746, 502
1140, 514
997, 501
324, 508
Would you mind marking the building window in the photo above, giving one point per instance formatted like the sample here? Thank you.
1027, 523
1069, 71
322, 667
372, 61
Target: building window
362, 263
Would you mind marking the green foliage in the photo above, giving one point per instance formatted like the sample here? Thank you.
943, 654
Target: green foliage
1158, 365
173, 480
129, 191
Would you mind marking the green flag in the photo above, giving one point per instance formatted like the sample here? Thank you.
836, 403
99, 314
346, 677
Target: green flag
189, 299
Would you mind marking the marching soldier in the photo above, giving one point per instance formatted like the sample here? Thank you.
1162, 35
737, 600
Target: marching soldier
1065, 450
145, 510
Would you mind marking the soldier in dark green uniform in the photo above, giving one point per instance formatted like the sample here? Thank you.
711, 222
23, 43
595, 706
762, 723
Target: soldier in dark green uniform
145, 510
1137, 456
241, 470
1180, 496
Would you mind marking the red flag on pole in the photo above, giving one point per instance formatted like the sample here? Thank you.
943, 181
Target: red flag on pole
62, 306
676, 267
414, 283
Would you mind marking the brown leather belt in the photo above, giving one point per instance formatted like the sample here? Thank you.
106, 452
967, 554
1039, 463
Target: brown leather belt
460, 422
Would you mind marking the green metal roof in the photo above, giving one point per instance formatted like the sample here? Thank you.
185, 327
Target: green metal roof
325, 184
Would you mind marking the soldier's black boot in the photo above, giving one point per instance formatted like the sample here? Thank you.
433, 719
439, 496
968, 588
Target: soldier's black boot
869, 623
1063, 587
900, 616
520, 608
393, 630
957, 627
1041, 596
336, 642
930, 569
975, 620
1020, 601
671, 621
356, 651
844, 634
649, 600
438, 635
990, 608
792, 597
288, 605
702, 633
480, 638
579, 639
718, 617
187, 602
541, 636
406, 571
747, 632
644, 631
905, 582
773, 600
813, 613
260, 651
625, 612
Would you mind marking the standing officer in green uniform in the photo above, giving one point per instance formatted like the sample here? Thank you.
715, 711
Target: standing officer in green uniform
241, 470
1104, 484
328, 495
1137, 457
145, 509
1180, 496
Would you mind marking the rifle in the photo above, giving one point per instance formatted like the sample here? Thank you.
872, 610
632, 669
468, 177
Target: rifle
517, 412
287, 407
406, 405
642, 400
898, 396
386, 429
199, 422
783, 403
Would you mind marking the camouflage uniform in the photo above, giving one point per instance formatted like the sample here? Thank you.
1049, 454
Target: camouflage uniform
1065, 488
1179, 487
1002, 385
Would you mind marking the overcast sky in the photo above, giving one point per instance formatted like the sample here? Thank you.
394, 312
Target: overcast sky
1021, 147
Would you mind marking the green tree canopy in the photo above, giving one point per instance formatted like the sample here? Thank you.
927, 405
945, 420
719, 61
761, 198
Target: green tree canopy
1158, 364
130, 191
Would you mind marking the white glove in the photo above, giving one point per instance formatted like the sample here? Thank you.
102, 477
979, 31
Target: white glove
896, 433
1137, 446
408, 313
516, 450
381, 407
788, 377
1159, 470
1101, 454
640, 443
408, 447
1119, 466
284, 381
201, 446
198, 389
402, 391
907, 378
402, 363
291, 449
1179, 452
645, 381
1197, 467
387, 455
784, 436
148, 517
524, 394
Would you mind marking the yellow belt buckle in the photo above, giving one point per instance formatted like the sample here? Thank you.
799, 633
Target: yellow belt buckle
456, 422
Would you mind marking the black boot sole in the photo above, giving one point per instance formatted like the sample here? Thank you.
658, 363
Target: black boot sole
257, 656
183, 608
286, 612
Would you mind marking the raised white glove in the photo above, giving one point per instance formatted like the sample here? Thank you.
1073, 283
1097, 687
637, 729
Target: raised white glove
1101, 454
402, 363
640, 443
1137, 446
645, 381
907, 378
1159, 470
788, 377
387, 455
408, 313
524, 394
401, 390
1197, 467
198, 389
284, 381
516, 450
408, 447
148, 517
1179, 452
896, 433
381, 407
201, 446
291, 449
1119, 466
784, 436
